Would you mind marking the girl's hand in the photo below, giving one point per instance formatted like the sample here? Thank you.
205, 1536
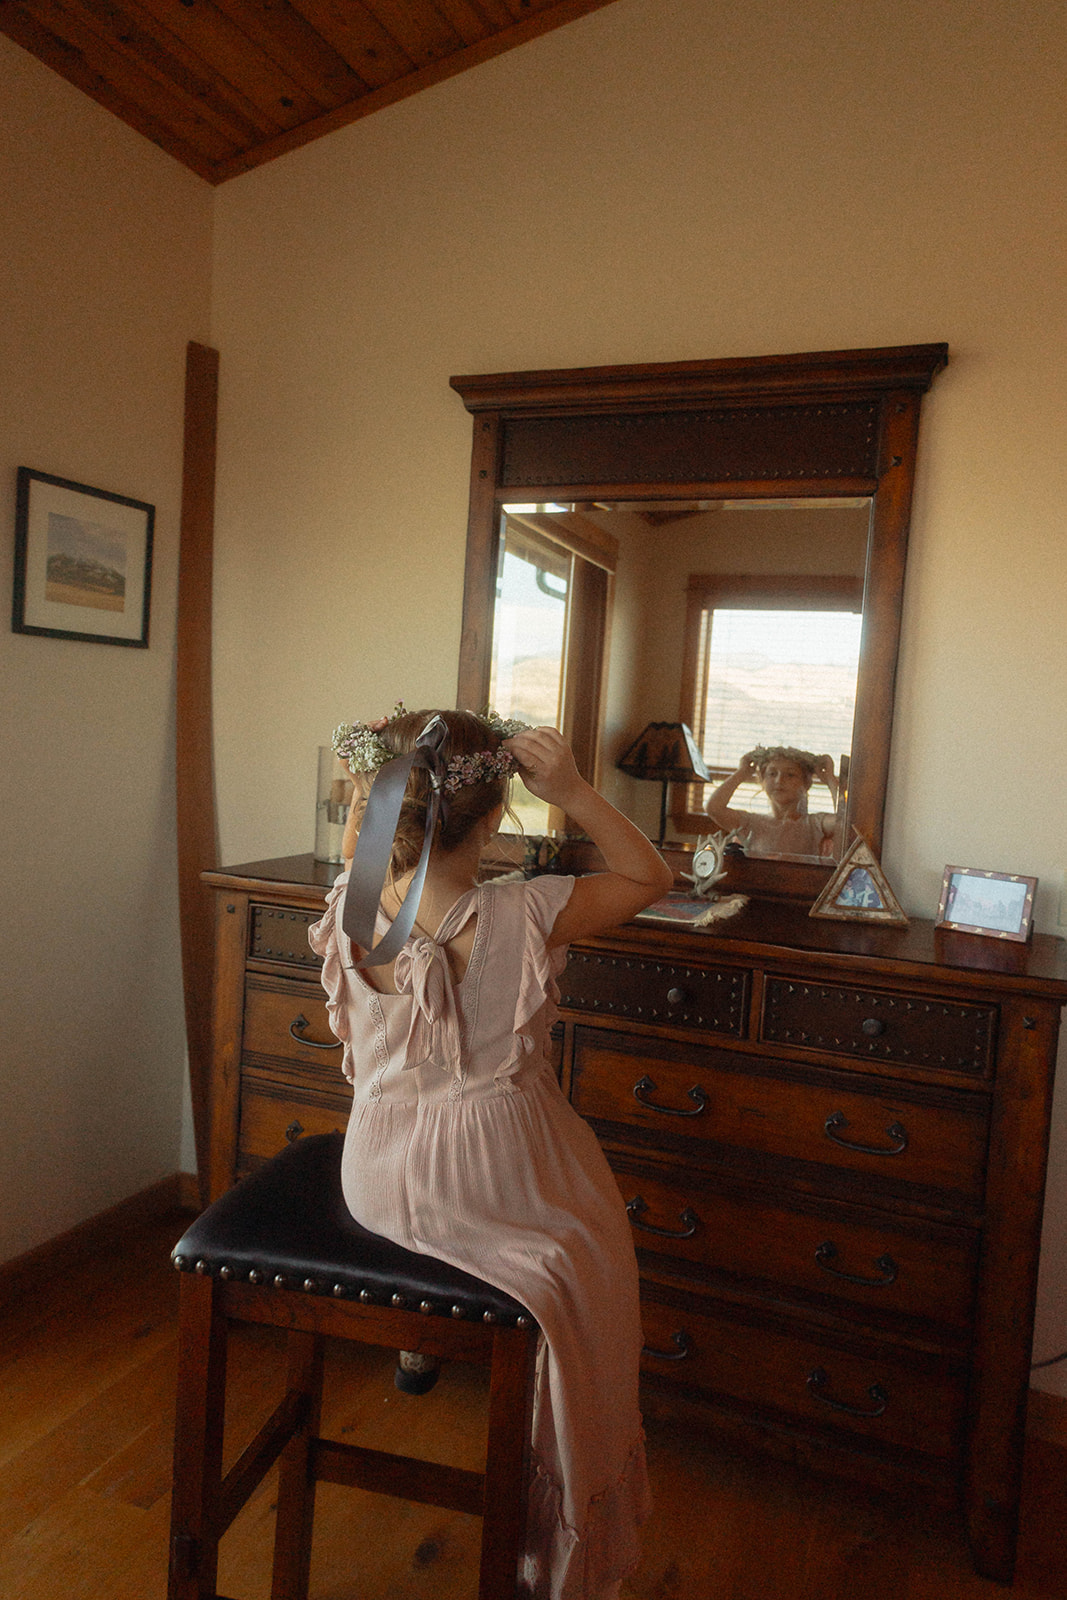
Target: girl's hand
824, 767
635, 873
375, 727
546, 766
747, 768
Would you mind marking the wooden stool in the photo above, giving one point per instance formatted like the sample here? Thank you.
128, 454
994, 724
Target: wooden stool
281, 1249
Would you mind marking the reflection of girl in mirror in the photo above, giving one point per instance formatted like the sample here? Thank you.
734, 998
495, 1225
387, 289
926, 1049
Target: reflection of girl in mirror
785, 776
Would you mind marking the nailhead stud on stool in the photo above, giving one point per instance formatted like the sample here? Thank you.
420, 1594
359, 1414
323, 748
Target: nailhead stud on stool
281, 1249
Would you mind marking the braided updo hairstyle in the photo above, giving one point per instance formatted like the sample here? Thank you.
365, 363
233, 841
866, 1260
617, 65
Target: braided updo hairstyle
467, 734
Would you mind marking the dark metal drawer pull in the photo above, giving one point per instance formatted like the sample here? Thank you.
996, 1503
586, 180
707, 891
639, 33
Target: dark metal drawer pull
296, 1031
827, 1252
293, 1131
684, 1348
818, 1380
638, 1206
873, 1027
837, 1119
645, 1086
676, 996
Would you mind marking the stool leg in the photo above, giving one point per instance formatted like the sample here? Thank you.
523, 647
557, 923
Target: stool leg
507, 1463
194, 1546
296, 1482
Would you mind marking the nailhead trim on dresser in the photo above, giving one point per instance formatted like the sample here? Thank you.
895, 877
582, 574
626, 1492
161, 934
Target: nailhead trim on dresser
276, 934
656, 991
916, 1029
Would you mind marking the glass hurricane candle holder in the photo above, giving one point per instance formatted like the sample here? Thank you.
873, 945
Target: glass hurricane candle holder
333, 798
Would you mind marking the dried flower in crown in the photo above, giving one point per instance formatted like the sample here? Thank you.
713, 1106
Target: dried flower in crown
484, 766
506, 727
362, 747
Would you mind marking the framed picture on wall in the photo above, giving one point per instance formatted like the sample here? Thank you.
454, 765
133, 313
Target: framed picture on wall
83, 562
999, 904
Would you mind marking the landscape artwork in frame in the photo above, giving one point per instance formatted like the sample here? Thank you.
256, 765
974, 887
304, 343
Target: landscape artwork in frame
83, 562
858, 891
997, 904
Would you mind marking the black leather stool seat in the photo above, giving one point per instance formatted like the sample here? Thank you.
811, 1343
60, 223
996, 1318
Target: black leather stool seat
288, 1225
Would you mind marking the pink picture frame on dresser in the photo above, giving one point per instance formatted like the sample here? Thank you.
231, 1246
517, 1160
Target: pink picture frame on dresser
997, 904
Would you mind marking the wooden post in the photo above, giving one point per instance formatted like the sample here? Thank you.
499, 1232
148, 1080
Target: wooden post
194, 782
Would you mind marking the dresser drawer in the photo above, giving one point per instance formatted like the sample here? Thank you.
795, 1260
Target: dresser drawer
289, 1021
278, 933
269, 1121
675, 994
886, 1397
877, 1025
914, 1270
912, 1138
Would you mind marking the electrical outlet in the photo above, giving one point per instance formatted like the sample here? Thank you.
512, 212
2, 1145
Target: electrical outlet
1061, 914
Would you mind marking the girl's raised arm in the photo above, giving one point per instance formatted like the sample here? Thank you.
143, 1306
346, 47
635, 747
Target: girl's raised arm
718, 806
636, 872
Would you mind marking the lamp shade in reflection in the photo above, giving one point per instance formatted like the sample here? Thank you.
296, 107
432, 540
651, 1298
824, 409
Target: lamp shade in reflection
667, 752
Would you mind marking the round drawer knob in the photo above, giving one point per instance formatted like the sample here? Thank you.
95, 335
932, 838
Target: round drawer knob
676, 996
873, 1027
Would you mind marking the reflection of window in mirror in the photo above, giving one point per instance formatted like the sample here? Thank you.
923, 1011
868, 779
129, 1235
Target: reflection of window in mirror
553, 597
769, 660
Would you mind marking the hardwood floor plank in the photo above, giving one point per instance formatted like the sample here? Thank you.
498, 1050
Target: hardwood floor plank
105, 1428
77, 1360
85, 1547
139, 1260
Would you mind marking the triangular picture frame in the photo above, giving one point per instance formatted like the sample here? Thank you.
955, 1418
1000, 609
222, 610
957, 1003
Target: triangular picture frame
858, 891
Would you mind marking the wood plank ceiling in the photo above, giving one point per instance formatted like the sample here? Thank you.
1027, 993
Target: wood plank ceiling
224, 85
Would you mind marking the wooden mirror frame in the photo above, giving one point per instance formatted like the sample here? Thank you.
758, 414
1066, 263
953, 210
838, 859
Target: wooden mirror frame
831, 424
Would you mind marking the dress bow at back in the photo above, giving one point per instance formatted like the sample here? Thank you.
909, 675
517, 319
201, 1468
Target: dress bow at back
422, 970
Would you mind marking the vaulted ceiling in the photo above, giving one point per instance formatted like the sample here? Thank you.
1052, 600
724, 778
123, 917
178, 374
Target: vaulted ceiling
224, 85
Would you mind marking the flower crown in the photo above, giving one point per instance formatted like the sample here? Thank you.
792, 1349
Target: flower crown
763, 753
364, 750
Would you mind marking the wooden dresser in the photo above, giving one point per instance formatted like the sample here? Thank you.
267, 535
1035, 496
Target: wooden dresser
831, 1139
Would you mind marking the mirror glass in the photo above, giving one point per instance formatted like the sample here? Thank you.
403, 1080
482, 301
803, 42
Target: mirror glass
740, 618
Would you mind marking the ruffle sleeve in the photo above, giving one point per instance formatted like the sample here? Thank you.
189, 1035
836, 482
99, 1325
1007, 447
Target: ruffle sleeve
544, 899
328, 940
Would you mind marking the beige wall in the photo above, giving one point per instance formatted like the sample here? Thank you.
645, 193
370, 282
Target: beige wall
104, 275
661, 181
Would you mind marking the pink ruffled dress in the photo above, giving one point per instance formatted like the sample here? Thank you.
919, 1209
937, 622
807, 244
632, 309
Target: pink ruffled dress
461, 1144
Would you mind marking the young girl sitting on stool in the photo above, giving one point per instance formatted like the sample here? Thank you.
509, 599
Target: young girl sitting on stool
460, 1142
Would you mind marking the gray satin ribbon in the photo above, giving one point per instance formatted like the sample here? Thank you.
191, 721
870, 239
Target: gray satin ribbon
374, 847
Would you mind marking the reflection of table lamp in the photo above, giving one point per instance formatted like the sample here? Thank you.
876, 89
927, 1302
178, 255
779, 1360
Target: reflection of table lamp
667, 752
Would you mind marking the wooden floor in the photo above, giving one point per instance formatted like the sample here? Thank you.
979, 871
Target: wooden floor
87, 1369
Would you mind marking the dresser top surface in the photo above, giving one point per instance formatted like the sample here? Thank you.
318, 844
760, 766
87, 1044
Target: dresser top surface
763, 928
